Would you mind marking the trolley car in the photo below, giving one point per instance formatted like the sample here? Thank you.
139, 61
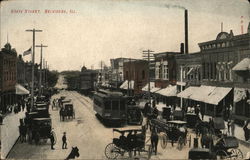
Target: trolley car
110, 106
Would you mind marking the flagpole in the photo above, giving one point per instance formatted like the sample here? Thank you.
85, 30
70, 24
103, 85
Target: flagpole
33, 60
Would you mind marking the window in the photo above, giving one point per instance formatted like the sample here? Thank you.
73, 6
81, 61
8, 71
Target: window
115, 105
165, 70
107, 105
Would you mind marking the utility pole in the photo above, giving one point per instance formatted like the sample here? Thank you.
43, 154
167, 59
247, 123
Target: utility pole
40, 73
181, 86
46, 75
129, 77
33, 61
147, 54
43, 72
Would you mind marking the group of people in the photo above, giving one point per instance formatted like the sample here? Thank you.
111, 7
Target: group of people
52, 140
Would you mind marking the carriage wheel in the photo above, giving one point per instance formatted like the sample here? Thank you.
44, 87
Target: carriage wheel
112, 151
150, 150
54, 135
164, 140
221, 154
236, 154
180, 143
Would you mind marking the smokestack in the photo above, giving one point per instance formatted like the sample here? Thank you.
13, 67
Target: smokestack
182, 48
186, 31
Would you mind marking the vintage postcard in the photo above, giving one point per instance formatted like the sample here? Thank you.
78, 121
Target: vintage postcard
125, 79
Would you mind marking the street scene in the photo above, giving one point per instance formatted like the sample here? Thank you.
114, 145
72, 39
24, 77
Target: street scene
132, 80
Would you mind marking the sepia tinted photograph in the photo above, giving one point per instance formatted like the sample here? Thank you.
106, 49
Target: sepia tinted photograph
124, 79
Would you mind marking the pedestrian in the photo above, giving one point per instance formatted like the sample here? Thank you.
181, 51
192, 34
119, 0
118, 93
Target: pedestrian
202, 111
246, 130
228, 126
52, 140
154, 140
197, 110
61, 113
232, 127
64, 140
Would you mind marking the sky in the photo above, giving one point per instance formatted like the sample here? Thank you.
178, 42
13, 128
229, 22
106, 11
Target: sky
97, 30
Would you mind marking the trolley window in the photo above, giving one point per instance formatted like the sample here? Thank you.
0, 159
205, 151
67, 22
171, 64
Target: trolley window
122, 105
115, 105
107, 105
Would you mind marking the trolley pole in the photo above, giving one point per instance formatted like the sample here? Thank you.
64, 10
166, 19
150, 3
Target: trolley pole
148, 55
33, 61
40, 73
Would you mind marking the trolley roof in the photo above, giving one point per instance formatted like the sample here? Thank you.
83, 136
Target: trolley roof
108, 93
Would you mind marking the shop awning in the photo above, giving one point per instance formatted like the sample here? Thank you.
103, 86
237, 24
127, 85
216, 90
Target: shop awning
181, 83
20, 90
188, 92
243, 65
126, 85
217, 95
168, 91
145, 88
153, 90
207, 94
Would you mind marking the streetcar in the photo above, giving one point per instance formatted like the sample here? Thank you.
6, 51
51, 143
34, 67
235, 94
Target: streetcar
110, 106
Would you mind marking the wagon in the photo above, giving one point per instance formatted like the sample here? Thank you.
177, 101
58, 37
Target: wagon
227, 148
132, 140
191, 119
69, 111
200, 153
172, 131
166, 113
40, 129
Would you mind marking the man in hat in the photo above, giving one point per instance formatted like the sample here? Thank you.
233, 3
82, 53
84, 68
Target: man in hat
64, 139
52, 140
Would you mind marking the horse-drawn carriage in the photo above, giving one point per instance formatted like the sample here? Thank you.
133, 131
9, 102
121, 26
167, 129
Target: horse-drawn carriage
40, 128
172, 131
133, 140
67, 111
191, 119
227, 148
134, 115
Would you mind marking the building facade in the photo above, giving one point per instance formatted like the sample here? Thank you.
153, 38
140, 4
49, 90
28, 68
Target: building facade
88, 80
8, 76
214, 66
165, 69
137, 71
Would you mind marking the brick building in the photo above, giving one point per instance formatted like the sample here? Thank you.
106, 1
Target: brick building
212, 68
8, 76
165, 69
136, 72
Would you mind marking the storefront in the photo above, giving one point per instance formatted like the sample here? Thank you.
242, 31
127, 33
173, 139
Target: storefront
215, 101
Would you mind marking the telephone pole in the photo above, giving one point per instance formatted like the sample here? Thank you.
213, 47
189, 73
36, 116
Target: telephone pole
148, 55
33, 61
40, 73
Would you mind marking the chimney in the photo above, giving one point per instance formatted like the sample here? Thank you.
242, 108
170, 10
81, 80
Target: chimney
186, 31
182, 48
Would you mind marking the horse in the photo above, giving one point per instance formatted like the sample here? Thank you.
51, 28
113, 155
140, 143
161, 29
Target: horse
200, 125
206, 138
74, 153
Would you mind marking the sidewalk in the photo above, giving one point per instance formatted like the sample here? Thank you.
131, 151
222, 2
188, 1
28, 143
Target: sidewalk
10, 132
